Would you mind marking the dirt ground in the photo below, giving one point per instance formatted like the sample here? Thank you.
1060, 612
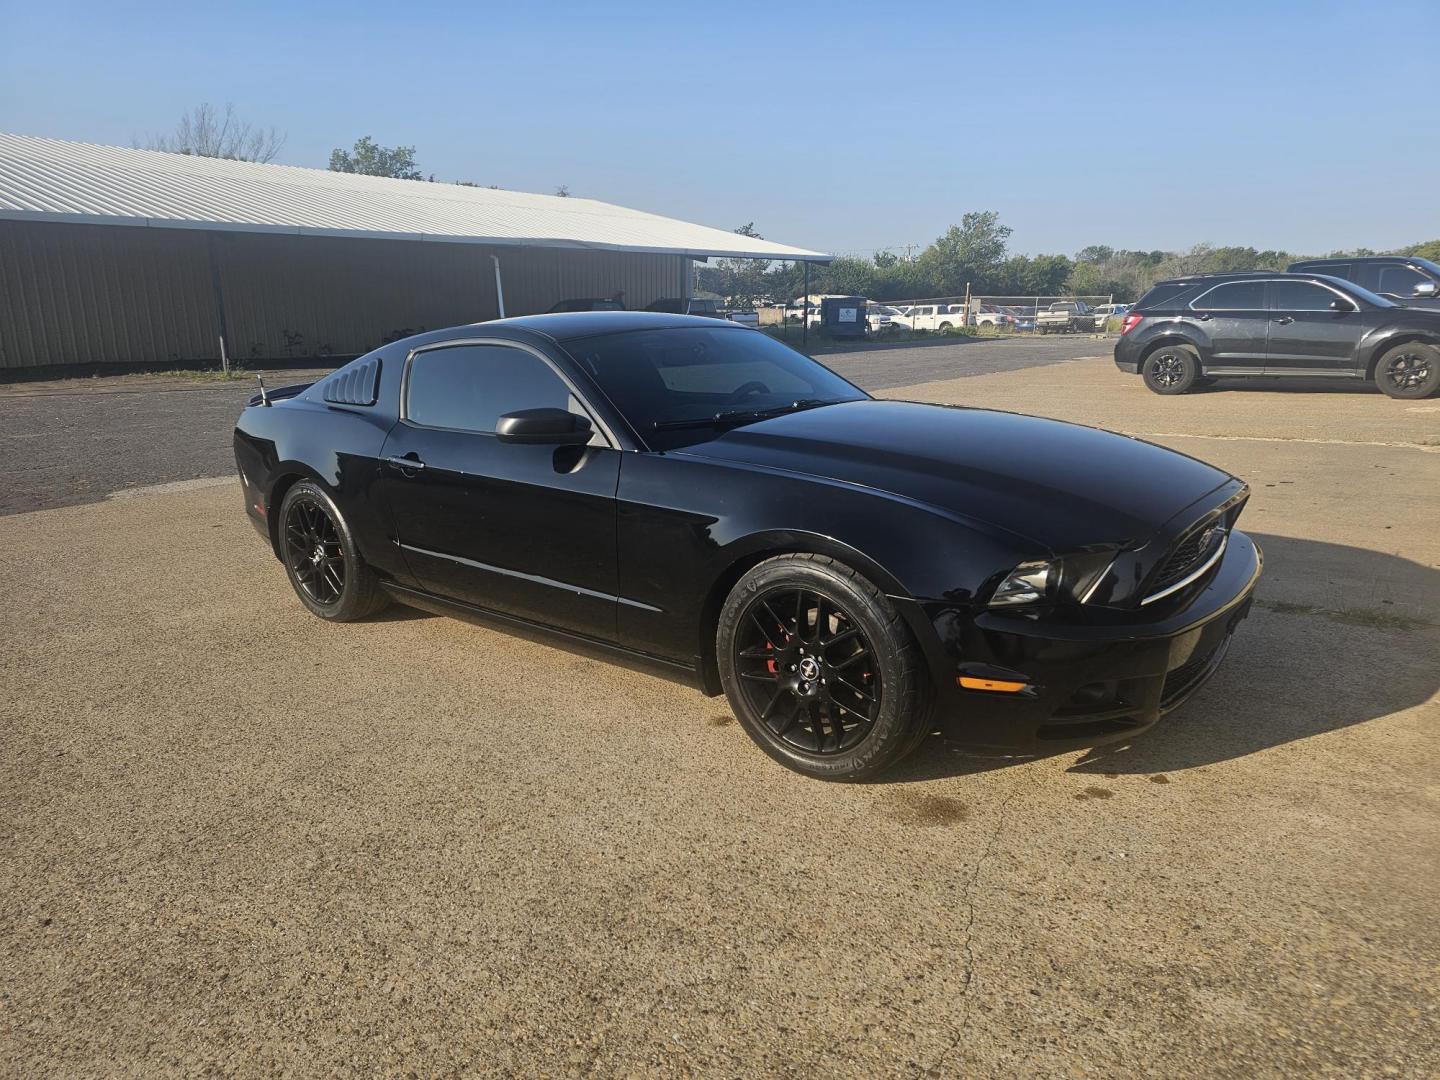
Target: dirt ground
236, 840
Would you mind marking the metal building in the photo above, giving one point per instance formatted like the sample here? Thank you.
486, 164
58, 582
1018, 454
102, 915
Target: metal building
118, 256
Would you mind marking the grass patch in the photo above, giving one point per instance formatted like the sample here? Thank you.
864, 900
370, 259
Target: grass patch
1369, 618
235, 374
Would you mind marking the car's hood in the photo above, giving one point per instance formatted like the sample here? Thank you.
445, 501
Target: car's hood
1061, 485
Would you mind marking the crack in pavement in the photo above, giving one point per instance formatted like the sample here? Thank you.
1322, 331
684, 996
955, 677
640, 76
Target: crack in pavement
967, 897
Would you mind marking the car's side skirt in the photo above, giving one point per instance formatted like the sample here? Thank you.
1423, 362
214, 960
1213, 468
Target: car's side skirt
595, 648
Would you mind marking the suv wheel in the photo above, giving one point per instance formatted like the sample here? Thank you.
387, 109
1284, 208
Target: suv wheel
1409, 371
1171, 369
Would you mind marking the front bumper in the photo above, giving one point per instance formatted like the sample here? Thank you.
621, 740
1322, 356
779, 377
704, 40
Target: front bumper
1104, 678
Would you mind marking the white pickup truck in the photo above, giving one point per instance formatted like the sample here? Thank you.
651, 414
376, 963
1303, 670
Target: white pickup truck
939, 317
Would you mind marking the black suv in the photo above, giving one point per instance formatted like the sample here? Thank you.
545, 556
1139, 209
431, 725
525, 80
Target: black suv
1187, 330
1405, 279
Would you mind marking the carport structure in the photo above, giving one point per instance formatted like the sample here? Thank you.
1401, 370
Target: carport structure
111, 255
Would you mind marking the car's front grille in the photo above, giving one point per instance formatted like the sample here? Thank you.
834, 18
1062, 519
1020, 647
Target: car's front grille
1200, 546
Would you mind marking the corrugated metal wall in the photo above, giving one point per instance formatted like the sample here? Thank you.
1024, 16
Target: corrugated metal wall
89, 294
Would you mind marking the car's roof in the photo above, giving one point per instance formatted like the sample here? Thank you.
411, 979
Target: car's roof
1354, 259
565, 325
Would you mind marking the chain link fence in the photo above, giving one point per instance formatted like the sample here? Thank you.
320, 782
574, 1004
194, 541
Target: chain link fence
1002, 314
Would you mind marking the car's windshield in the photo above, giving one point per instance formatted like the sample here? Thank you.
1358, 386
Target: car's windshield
673, 376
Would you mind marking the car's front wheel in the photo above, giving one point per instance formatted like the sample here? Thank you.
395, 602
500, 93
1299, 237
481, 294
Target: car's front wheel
321, 559
1172, 369
820, 669
1409, 371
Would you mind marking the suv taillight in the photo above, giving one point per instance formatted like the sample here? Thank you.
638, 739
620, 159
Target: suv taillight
1129, 324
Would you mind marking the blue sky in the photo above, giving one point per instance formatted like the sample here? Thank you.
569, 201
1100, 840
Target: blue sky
1306, 126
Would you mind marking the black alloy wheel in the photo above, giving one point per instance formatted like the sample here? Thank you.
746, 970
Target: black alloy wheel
821, 670
314, 554
321, 559
1409, 371
1171, 369
808, 670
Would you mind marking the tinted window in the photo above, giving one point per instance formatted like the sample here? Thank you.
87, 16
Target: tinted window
682, 374
1299, 296
1161, 295
1398, 280
1233, 296
468, 386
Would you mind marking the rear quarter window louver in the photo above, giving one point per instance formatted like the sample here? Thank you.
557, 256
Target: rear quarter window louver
357, 385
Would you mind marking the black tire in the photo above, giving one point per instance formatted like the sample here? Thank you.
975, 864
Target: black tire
1171, 369
321, 560
1409, 371
833, 686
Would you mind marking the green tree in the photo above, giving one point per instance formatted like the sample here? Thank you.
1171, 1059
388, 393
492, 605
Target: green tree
969, 253
849, 277
370, 159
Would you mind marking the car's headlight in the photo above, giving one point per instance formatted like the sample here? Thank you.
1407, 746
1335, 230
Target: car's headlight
1028, 583
1071, 578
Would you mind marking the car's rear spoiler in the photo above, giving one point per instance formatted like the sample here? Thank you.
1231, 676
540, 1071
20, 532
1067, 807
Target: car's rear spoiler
269, 397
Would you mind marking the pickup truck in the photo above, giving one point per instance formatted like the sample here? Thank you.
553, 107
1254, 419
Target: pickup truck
1065, 317
939, 317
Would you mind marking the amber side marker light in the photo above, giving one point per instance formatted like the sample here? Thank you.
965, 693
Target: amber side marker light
968, 683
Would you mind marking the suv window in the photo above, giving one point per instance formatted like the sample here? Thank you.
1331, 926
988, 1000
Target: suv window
468, 387
1299, 296
1232, 296
1161, 295
1398, 280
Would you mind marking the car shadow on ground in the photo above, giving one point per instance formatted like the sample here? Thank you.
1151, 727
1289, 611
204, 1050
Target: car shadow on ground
1296, 670
1265, 385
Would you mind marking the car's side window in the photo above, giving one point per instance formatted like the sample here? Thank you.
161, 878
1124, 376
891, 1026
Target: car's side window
468, 387
1399, 280
1232, 296
1299, 296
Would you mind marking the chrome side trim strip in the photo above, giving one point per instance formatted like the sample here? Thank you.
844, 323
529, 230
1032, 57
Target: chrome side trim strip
536, 578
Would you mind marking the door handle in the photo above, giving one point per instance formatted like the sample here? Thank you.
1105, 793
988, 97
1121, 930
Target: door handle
405, 464
1285, 320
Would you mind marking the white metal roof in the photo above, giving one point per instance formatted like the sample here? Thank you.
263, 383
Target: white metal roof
51, 179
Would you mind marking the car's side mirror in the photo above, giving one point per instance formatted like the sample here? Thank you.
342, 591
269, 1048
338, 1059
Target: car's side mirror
1341, 305
548, 427
1425, 289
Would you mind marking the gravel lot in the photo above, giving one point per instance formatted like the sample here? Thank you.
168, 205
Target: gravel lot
234, 839
76, 441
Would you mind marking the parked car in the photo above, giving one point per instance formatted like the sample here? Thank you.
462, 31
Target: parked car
1067, 316
993, 315
588, 303
881, 319
678, 305
1405, 279
686, 495
1185, 331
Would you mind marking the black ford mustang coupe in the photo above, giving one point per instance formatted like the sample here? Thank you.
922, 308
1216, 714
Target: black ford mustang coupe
699, 498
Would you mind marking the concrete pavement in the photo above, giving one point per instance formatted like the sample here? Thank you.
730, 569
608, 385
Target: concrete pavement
235, 839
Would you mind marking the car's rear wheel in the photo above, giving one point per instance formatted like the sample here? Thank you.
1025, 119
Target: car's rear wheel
1171, 369
1409, 371
324, 566
820, 669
